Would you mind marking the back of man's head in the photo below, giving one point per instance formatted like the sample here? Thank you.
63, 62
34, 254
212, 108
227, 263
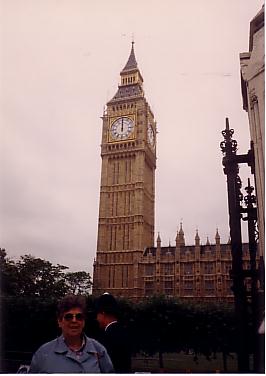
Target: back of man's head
107, 303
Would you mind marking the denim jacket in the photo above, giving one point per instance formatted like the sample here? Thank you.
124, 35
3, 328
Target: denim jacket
56, 357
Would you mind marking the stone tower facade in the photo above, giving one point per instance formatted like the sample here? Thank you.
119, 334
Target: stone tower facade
127, 192
127, 263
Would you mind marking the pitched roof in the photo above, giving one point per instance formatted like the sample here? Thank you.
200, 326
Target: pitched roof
132, 62
128, 92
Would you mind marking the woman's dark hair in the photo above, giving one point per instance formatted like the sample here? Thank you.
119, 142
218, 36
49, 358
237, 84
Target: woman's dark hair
69, 302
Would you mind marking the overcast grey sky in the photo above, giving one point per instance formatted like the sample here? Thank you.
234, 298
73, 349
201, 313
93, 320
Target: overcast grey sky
60, 64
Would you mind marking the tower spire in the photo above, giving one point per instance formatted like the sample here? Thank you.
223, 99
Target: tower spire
181, 235
159, 241
130, 80
197, 238
132, 62
217, 236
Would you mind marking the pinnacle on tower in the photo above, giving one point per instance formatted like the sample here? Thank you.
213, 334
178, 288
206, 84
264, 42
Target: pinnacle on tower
131, 80
159, 240
217, 236
181, 235
132, 62
197, 238
208, 242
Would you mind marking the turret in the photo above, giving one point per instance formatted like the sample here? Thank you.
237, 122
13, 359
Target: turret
217, 237
131, 81
197, 248
159, 242
158, 249
131, 75
177, 249
197, 238
218, 248
181, 235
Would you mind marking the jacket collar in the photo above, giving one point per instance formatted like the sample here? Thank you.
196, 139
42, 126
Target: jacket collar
62, 348
110, 323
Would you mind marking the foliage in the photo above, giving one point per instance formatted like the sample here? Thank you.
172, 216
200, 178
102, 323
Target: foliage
38, 277
35, 277
31, 287
169, 325
29, 321
9, 274
29, 290
160, 325
78, 282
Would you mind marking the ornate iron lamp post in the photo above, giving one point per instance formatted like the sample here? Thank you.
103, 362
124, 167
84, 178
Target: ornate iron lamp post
256, 298
235, 197
247, 334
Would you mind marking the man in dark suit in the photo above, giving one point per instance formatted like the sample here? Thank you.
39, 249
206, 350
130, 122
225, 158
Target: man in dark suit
115, 337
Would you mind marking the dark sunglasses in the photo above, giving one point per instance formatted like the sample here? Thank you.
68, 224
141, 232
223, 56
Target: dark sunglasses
70, 316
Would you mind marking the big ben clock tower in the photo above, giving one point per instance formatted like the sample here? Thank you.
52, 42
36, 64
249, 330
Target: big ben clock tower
127, 192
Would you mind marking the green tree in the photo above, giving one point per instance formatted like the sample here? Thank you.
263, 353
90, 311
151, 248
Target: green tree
78, 282
163, 325
34, 277
38, 277
9, 275
30, 289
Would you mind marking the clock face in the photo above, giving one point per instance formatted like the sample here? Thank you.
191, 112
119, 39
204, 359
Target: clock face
150, 136
122, 128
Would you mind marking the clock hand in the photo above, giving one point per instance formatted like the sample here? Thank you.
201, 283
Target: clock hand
122, 127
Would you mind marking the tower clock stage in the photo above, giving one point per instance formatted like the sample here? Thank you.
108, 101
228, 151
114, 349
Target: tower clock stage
127, 191
122, 128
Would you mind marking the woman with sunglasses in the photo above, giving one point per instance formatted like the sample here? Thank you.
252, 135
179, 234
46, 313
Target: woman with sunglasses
73, 351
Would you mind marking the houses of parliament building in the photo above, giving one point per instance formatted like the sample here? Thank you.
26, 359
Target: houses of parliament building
127, 263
